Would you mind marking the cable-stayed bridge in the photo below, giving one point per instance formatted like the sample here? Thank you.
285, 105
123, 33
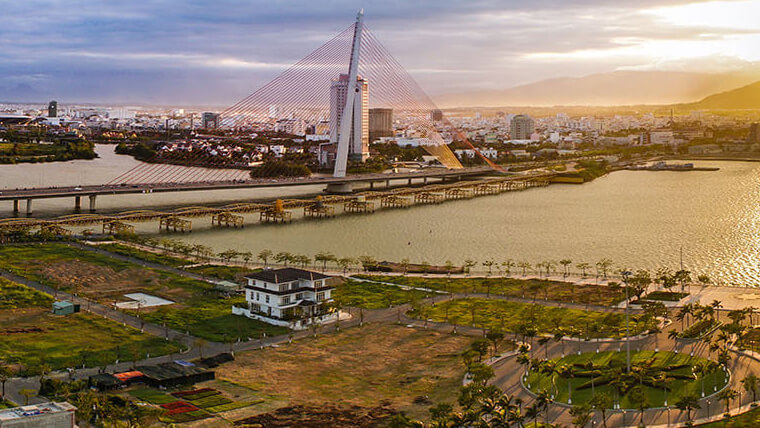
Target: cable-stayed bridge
331, 89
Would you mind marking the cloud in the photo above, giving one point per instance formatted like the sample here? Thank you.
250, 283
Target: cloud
205, 52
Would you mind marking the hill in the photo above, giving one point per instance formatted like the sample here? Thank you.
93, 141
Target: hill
744, 98
606, 89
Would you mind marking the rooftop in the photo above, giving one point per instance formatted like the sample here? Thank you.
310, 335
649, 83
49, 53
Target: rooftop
35, 410
279, 276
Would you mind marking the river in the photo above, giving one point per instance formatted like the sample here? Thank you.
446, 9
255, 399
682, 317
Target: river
639, 219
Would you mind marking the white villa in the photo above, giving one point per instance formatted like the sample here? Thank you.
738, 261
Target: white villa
287, 297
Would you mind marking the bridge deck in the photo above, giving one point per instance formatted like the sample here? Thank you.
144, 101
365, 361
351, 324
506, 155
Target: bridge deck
72, 191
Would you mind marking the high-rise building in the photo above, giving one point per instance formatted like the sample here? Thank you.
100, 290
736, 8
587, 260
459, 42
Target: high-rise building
210, 120
753, 134
436, 115
53, 109
521, 127
380, 123
358, 148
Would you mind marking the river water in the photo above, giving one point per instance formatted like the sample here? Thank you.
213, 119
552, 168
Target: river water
639, 219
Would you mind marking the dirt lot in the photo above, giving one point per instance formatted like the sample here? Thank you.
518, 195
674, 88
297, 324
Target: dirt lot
103, 282
378, 365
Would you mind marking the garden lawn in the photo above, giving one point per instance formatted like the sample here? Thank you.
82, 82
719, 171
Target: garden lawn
212, 320
749, 419
147, 256
72, 340
372, 295
230, 273
681, 379
15, 296
514, 317
513, 287
410, 368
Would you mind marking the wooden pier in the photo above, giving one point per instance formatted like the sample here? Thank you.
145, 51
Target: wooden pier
175, 224
227, 219
359, 205
395, 201
319, 210
429, 198
116, 227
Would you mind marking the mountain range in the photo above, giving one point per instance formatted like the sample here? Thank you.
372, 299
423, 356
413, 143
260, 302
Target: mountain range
608, 89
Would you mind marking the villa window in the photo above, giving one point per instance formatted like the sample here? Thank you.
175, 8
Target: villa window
321, 296
285, 300
284, 287
267, 298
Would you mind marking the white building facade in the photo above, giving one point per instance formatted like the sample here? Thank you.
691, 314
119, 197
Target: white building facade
288, 297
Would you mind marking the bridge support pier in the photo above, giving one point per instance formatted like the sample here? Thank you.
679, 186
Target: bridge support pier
387, 184
15, 206
410, 182
29, 207
77, 204
371, 185
424, 180
339, 188
92, 202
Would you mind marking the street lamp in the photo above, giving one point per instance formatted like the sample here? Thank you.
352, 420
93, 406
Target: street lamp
626, 274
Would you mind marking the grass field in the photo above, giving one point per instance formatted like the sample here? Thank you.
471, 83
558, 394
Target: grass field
359, 366
212, 320
200, 308
16, 296
749, 419
371, 295
148, 256
524, 288
230, 273
68, 341
510, 316
678, 368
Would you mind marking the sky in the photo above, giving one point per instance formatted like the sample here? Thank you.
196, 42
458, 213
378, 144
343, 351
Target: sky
216, 52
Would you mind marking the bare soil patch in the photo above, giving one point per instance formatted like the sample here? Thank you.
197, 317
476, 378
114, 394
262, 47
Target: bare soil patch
320, 417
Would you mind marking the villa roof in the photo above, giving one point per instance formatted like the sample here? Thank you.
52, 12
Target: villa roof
279, 276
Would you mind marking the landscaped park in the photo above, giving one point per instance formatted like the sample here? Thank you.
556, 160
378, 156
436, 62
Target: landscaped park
431, 349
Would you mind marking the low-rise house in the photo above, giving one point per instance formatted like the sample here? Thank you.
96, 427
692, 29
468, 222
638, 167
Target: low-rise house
288, 297
51, 415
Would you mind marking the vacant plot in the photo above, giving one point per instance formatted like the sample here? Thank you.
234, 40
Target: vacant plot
201, 309
229, 273
372, 295
519, 317
524, 288
406, 368
32, 337
16, 296
148, 256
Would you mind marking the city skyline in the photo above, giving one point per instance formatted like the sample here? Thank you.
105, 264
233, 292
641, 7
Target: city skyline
160, 53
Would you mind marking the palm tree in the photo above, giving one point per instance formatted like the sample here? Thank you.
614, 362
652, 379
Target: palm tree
567, 371
405, 265
726, 396
750, 384
565, 263
468, 264
489, 264
717, 305
688, 403
583, 267
524, 266
28, 394
581, 415
324, 257
639, 398
507, 265
283, 257
601, 402
264, 256
603, 266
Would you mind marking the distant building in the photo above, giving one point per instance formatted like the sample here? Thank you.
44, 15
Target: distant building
436, 115
291, 126
753, 134
64, 307
210, 120
48, 415
53, 109
522, 127
358, 148
288, 297
380, 123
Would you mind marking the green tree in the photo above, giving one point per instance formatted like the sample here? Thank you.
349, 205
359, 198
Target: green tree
565, 263
726, 396
264, 256
750, 384
688, 403
601, 402
581, 414
325, 257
